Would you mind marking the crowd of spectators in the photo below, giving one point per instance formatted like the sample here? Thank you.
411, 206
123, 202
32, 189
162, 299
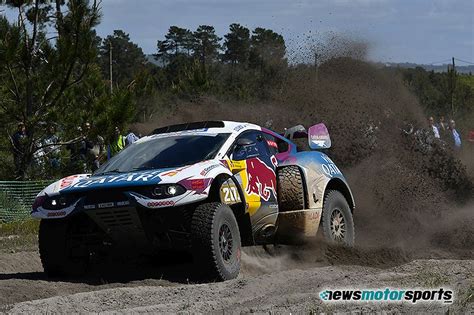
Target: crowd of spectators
447, 133
87, 151
84, 153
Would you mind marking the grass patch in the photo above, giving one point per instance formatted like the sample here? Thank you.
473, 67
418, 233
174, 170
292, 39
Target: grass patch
468, 296
19, 235
24, 227
431, 279
14, 243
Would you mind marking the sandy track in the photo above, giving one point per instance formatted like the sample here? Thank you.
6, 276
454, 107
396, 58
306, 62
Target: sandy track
267, 284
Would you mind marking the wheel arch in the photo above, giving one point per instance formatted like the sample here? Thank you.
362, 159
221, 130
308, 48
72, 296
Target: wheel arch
242, 217
341, 186
303, 181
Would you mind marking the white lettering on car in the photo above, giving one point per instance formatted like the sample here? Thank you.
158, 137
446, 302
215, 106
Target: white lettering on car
329, 168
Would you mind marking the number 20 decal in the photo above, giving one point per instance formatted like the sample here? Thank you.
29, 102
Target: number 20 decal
230, 194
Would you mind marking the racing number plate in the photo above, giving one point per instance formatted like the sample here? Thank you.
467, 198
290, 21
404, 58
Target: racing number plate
229, 193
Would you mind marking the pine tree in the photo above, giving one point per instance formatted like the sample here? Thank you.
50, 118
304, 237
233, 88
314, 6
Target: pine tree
36, 70
237, 44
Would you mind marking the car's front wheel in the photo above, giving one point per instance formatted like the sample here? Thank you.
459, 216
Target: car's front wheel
56, 251
337, 221
216, 242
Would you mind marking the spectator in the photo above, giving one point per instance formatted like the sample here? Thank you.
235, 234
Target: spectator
19, 142
131, 137
117, 144
93, 149
455, 138
433, 129
74, 147
442, 126
51, 147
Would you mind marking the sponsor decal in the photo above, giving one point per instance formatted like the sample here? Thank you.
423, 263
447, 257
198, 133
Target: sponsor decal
206, 171
237, 165
106, 205
240, 127
155, 204
261, 179
56, 214
67, 181
123, 203
272, 143
329, 168
142, 177
174, 172
197, 185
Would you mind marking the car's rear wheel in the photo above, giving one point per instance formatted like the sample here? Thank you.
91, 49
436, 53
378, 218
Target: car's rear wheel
216, 242
290, 188
55, 249
337, 221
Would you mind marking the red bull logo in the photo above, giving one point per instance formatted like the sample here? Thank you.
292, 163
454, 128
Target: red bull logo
261, 179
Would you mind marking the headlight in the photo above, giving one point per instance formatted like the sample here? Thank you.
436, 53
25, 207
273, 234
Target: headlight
167, 191
58, 202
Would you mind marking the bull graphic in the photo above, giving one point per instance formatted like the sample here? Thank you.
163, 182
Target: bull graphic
261, 179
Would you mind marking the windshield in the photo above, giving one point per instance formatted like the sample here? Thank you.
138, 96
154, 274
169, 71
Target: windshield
165, 152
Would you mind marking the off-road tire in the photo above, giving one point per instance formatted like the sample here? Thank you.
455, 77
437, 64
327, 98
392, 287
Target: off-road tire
335, 204
54, 251
210, 220
290, 189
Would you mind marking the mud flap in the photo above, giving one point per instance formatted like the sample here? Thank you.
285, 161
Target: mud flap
298, 226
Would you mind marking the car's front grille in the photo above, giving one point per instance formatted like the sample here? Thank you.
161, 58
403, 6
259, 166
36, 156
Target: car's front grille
115, 217
113, 220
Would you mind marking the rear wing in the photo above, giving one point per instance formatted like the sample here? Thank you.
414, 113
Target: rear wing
318, 135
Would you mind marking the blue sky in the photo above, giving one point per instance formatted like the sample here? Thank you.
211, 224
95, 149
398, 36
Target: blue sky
422, 31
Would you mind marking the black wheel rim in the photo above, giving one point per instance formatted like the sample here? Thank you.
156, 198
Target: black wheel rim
338, 226
225, 243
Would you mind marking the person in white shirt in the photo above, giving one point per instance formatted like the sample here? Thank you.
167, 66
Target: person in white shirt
433, 128
455, 137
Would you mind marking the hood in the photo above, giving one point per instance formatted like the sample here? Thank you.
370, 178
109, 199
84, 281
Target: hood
87, 182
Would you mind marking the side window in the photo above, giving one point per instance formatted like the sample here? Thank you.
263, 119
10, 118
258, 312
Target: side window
272, 143
275, 145
248, 145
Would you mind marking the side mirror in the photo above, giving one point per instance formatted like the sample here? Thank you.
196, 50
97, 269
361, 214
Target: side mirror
318, 137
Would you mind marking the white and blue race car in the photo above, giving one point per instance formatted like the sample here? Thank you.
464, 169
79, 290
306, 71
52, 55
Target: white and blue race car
205, 187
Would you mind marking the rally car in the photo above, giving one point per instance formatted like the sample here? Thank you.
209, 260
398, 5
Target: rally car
208, 188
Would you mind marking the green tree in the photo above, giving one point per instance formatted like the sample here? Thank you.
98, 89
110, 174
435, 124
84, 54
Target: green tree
177, 41
237, 44
37, 70
127, 58
267, 48
206, 44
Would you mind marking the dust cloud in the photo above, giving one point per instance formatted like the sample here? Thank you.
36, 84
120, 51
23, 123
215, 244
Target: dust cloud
412, 200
